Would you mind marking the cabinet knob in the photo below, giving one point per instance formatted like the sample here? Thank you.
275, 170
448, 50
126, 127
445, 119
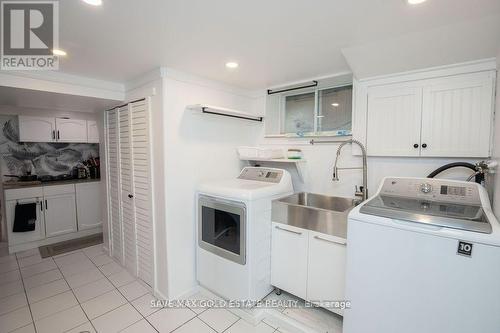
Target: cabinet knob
415, 145
130, 196
424, 145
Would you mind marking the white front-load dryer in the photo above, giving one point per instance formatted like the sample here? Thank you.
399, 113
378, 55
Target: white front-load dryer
234, 232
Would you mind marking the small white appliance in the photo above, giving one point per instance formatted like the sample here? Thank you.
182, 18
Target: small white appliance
234, 232
423, 255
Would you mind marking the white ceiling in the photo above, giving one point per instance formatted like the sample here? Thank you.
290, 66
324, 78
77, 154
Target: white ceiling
35, 99
275, 41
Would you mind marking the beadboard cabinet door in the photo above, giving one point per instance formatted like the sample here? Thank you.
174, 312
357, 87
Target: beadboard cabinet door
457, 116
393, 124
37, 129
71, 130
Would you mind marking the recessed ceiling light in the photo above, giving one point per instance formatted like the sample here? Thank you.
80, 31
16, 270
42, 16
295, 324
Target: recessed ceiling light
335, 105
415, 2
232, 65
93, 2
59, 52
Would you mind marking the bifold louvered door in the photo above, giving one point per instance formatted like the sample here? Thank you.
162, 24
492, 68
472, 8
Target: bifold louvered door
141, 164
113, 177
126, 190
130, 182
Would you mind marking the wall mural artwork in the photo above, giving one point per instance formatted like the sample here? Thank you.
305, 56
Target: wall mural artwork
42, 158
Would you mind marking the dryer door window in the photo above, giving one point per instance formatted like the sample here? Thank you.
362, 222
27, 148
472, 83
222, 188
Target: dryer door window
221, 228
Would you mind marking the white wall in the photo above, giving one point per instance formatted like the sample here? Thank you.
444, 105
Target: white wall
496, 146
197, 148
320, 159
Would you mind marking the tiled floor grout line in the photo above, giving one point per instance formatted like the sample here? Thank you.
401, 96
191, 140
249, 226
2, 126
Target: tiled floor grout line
77, 300
26, 296
90, 257
129, 302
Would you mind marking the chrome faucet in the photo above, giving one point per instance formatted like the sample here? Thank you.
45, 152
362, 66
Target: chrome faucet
362, 191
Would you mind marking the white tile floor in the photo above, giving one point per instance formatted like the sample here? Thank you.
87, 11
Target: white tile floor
86, 291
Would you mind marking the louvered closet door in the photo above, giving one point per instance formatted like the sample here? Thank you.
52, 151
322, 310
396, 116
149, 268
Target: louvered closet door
141, 164
126, 187
113, 176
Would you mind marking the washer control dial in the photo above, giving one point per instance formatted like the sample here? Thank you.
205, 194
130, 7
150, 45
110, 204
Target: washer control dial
426, 188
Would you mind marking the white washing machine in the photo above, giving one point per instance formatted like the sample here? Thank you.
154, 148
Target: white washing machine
423, 255
234, 232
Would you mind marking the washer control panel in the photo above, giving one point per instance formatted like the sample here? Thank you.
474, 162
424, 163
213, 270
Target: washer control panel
268, 175
432, 189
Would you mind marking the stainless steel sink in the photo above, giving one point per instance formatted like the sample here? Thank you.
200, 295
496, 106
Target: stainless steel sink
315, 212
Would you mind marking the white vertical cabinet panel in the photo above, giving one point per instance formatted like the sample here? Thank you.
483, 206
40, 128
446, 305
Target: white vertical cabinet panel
126, 190
393, 118
289, 259
88, 205
141, 165
92, 131
37, 129
326, 269
71, 130
60, 214
114, 192
457, 116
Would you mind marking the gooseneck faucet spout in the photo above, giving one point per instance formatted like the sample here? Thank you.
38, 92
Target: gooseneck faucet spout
363, 192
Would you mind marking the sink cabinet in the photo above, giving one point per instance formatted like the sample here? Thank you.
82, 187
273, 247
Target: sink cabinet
326, 268
308, 264
289, 259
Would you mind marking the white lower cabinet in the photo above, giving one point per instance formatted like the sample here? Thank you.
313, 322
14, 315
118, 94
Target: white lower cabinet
326, 269
57, 209
24, 196
60, 210
308, 264
289, 259
88, 205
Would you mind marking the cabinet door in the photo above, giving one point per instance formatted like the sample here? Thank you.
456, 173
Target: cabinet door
457, 116
88, 205
393, 121
60, 214
289, 259
326, 270
71, 130
92, 131
29, 236
36, 129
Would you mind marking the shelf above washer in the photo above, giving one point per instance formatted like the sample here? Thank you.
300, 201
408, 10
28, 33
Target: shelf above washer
298, 163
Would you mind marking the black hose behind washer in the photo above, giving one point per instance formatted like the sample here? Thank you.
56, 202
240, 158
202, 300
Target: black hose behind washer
479, 177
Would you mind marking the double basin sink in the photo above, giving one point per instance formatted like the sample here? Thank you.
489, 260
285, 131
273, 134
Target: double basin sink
315, 212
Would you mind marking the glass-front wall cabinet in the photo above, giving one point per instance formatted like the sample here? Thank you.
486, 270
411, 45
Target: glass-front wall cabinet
322, 110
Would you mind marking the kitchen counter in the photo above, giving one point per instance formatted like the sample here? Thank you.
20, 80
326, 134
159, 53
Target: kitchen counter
9, 185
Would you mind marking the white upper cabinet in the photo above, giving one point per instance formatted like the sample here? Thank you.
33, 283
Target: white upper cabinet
37, 129
71, 130
47, 129
439, 113
92, 131
394, 121
457, 116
